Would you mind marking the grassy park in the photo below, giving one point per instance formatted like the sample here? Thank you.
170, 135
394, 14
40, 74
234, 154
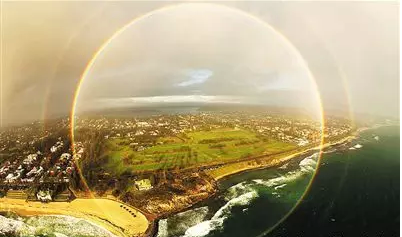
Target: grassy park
191, 149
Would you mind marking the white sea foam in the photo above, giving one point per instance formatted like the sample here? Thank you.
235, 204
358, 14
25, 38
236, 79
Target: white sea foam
280, 186
10, 226
216, 222
163, 228
357, 146
241, 200
70, 225
308, 165
242, 194
329, 151
279, 180
194, 214
190, 218
204, 228
179, 223
54, 224
237, 190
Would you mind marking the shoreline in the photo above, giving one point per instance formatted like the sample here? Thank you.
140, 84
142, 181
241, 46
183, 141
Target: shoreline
319, 148
276, 161
89, 221
120, 224
23, 208
105, 213
270, 165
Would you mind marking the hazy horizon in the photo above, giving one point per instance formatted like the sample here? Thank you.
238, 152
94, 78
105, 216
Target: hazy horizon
199, 53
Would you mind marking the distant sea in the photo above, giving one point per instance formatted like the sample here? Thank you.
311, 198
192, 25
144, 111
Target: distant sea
355, 193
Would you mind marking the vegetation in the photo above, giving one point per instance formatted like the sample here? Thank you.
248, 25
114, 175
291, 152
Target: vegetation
192, 149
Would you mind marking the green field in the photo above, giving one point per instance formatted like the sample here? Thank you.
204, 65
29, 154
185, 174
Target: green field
190, 150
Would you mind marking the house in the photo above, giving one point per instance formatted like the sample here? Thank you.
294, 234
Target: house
140, 148
65, 156
30, 159
302, 142
143, 184
44, 195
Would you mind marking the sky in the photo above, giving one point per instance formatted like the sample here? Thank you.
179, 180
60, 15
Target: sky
225, 52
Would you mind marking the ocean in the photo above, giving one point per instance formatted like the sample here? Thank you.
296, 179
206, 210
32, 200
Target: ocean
354, 193
50, 226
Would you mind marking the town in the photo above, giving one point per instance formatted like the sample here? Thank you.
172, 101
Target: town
143, 131
39, 161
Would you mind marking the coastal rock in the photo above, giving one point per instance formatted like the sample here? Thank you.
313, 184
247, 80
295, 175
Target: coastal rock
174, 196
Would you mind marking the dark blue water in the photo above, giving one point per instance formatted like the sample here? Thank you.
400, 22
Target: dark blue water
355, 193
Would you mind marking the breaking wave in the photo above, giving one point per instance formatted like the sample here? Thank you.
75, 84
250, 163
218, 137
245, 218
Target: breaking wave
181, 222
163, 228
204, 228
50, 225
216, 222
239, 195
307, 166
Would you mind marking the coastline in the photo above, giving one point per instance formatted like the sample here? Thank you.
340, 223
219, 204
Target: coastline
280, 160
116, 222
119, 222
275, 161
111, 215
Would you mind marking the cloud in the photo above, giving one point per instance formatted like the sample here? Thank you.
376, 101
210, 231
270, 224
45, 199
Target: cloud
102, 103
196, 76
178, 51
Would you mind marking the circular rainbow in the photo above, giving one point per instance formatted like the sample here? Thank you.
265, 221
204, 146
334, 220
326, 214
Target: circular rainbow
283, 39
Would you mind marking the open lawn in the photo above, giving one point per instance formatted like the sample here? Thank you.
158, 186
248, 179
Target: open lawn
191, 150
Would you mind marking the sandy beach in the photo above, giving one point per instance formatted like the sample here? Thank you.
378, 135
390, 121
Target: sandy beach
118, 217
109, 214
